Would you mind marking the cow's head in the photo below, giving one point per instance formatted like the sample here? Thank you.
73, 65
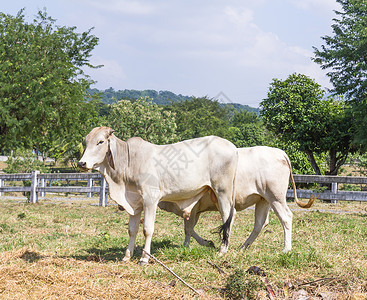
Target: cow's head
99, 149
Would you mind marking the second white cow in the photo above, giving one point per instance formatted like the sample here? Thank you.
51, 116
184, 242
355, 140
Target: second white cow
262, 179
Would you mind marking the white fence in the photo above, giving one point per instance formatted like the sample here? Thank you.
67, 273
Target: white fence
40, 184
334, 194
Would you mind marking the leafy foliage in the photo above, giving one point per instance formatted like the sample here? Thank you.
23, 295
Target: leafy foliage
345, 52
110, 96
42, 82
24, 161
247, 130
144, 119
296, 111
242, 286
360, 116
248, 135
200, 117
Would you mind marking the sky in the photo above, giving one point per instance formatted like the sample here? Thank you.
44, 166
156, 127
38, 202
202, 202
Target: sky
229, 50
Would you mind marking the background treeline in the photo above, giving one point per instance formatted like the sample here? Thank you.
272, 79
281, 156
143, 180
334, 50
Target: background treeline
109, 96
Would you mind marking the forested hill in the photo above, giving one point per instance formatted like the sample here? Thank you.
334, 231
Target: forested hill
110, 96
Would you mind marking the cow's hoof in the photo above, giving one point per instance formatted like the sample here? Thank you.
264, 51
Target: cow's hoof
125, 259
142, 263
223, 250
210, 244
244, 246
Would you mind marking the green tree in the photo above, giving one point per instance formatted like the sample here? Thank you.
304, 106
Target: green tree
345, 53
244, 117
144, 119
199, 117
296, 111
247, 130
42, 82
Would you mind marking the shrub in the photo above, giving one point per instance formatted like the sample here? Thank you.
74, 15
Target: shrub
24, 161
243, 286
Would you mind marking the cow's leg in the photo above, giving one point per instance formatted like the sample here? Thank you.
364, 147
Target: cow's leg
133, 231
261, 220
202, 241
190, 232
189, 228
285, 216
148, 229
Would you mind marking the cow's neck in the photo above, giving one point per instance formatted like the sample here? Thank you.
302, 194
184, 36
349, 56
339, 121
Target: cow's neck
121, 161
117, 177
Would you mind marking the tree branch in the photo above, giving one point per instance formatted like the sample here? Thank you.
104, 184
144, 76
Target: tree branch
173, 273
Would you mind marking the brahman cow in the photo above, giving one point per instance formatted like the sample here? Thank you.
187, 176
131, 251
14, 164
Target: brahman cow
140, 174
262, 179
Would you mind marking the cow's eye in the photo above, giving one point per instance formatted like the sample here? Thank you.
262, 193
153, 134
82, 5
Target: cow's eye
100, 142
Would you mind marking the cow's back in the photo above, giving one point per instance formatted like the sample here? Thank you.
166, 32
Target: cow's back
187, 165
261, 171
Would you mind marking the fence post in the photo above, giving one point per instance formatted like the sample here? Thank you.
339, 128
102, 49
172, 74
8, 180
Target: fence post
43, 184
90, 185
334, 190
102, 193
34, 182
1, 185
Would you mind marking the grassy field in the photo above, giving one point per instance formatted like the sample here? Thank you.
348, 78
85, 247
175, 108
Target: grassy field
73, 250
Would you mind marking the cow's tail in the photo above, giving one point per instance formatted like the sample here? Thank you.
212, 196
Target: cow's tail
299, 203
226, 227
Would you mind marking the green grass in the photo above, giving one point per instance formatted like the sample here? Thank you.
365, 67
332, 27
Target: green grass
325, 245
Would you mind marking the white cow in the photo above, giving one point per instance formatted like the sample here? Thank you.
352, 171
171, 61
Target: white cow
262, 178
141, 174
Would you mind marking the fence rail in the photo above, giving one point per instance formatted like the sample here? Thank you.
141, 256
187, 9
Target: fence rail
40, 184
39, 187
334, 194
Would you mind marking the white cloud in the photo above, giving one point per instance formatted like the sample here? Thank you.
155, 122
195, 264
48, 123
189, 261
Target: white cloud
111, 72
240, 17
301, 51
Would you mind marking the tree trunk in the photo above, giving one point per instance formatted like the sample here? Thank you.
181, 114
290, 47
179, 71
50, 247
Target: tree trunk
336, 161
333, 170
312, 160
44, 157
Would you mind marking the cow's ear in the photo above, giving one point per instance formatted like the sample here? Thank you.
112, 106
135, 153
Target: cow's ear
109, 132
111, 153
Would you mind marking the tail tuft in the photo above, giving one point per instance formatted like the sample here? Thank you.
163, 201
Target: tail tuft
308, 204
224, 229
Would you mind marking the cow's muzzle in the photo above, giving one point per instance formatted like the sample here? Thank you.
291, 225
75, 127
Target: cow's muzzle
82, 165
